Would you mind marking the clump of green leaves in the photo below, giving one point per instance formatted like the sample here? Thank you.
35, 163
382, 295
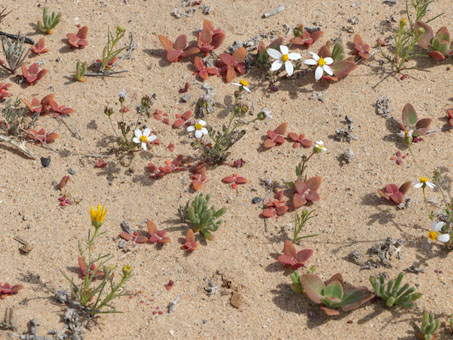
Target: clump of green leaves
393, 294
81, 68
110, 52
15, 53
429, 325
299, 223
295, 277
17, 118
200, 216
48, 21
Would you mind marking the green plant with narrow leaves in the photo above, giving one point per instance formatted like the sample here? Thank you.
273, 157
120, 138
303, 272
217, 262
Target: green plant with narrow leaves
392, 292
333, 294
48, 21
81, 68
429, 326
200, 216
299, 223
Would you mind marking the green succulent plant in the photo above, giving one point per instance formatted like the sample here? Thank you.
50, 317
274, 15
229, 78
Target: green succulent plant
393, 294
429, 326
334, 294
200, 216
48, 21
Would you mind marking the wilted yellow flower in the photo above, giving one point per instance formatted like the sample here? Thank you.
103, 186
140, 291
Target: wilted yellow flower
127, 270
98, 216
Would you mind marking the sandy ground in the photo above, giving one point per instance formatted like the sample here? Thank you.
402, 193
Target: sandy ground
350, 215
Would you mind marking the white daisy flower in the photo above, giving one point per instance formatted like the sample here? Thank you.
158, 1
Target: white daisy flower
199, 129
322, 65
319, 146
283, 57
123, 94
434, 234
423, 182
243, 84
406, 134
143, 137
267, 113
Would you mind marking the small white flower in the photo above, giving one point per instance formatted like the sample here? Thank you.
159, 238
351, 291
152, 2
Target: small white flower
243, 84
199, 129
423, 182
283, 57
434, 234
319, 146
123, 94
406, 134
143, 137
322, 65
267, 113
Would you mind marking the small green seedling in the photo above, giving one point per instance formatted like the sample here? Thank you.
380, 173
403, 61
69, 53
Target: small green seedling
429, 326
393, 294
296, 286
48, 21
200, 216
81, 68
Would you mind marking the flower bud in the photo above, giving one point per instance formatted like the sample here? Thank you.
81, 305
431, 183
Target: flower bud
127, 270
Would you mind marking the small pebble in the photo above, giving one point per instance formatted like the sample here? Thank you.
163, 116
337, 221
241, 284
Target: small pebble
256, 200
45, 162
71, 171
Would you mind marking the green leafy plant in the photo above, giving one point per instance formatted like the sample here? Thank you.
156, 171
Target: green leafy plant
429, 326
17, 118
98, 288
334, 294
299, 223
15, 53
110, 52
81, 68
48, 21
393, 294
295, 277
200, 216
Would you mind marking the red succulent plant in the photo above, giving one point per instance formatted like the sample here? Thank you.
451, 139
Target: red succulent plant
178, 49
230, 64
182, 119
299, 140
306, 191
275, 137
156, 235
78, 40
202, 71
360, 48
190, 244
392, 192
32, 74
6, 289
35, 105
93, 272
294, 259
41, 136
276, 206
209, 38
39, 47
307, 39
4, 91
234, 180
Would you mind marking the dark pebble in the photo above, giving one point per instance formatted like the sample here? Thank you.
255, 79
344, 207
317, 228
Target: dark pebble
71, 171
45, 162
256, 200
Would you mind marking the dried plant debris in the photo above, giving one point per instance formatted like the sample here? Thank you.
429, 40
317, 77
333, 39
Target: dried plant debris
347, 156
387, 251
275, 11
343, 135
382, 107
8, 320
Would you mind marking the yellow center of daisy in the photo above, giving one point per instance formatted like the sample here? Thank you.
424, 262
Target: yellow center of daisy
406, 133
244, 82
198, 126
321, 62
143, 139
432, 235
423, 179
285, 57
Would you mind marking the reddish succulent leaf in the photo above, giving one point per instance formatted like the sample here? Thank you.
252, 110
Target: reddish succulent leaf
361, 49
32, 74
330, 311
298, 201
289, 249
281, 129
303, 255
269, 143
141, 239
63, 182
342, 68
436, 55
178, 123
196, 185
314, 183
40, 47
266, 213
126, 236
293, 136
313, 287
78, 40
423, 123
190, 245
312, 196
397, 197
426, 37
405, 187
152, 228
281, 210
300, 186
228, 179
391, 188
409, 115
241, 180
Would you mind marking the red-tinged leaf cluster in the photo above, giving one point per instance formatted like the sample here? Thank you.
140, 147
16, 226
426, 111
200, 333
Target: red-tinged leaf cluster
190, 245
182, 119
275, 137
360, 48
299, 140
64, 201
439, 46
78, 40
238, 163
39, 47
154, 235
294, 259
199, 176
32, 74
234, 180
392, 192
202, 71
230, 65
100, 163
306, 191
307, 39
4, 91
93, 272
341, 68
41, 136
6, 289
169, 285
110, 63
209, 38
276, 206
180, 163
178, 49
47, 105
450, 117
411, 122
398, 158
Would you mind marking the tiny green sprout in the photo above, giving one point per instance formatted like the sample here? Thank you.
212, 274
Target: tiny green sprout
81, 68
48, 21
429, 326
393, 294
200, 216
299, 223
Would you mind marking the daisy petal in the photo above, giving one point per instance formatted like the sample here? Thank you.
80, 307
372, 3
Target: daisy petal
276, 65
236, 84
328, 70
274, 53
198, 134
318, 73
294, 56
147, 132
144, 146
443, 238
137, 133
284, 49
418, 185
152, 138
204, 131
136, 140
247, 89
202, 122
328, 60
190, 128
315, 56
289, 68
431, 185
310, 62
437, 226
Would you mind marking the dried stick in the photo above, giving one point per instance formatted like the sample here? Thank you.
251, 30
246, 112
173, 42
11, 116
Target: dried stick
17, 37
20, 146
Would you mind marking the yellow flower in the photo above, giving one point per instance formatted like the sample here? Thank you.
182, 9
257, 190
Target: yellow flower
98, 216
127, 270
244, 82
